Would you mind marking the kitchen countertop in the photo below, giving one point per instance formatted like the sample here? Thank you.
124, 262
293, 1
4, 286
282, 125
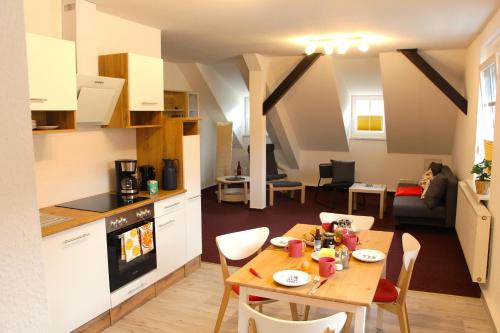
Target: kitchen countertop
80, 217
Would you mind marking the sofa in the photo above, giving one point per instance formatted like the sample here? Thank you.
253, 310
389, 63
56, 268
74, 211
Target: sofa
414, 210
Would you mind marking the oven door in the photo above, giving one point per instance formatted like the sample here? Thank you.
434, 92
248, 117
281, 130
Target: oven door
122, 272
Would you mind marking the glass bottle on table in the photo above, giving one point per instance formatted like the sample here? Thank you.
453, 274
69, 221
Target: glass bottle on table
317, 240
238, 170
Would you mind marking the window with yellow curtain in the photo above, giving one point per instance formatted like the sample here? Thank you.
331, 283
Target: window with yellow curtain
367, 117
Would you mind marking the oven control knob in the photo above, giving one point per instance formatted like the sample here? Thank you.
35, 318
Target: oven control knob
138, 214
148, 212
123, 221
114, 223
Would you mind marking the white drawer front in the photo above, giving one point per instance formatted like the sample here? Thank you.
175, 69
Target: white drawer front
134, 287
170, 205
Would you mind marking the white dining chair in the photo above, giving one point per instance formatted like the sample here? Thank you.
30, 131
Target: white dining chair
260, 323
237, 246
359, 223
392, 297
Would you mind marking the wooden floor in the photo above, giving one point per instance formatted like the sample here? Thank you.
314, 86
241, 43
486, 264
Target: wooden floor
192, 304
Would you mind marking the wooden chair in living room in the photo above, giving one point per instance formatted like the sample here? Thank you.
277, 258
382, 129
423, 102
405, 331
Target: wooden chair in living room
260, 323
392, 297
237, 246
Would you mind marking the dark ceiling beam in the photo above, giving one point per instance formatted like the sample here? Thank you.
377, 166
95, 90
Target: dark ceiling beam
289, 81
436, 78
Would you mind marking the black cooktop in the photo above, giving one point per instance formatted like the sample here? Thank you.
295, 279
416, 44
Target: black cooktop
101, 203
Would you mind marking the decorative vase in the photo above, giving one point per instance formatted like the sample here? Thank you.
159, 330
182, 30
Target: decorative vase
482, 186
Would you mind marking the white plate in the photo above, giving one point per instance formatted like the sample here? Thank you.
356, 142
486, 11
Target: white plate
281, 241
368, 255
315, 256
291, 278
47, 127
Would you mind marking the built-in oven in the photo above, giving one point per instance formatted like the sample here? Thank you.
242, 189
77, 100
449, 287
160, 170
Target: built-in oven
123, 270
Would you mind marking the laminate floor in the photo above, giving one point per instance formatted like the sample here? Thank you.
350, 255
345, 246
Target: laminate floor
192, 304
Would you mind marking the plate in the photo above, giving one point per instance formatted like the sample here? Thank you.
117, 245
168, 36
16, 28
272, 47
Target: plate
368, 255
315, 256
47, 127
281, 241
291, 278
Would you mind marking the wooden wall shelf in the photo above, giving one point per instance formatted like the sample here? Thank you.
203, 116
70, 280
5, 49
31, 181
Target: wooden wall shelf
66, 120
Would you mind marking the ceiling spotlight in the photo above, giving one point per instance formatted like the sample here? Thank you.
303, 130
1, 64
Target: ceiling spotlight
328, 48
363, 47
310, 49
342, 48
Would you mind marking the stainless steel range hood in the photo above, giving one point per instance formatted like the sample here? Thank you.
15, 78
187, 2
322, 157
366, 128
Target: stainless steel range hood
97, 95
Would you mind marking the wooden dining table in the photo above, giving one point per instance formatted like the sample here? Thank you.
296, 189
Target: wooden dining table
350, 290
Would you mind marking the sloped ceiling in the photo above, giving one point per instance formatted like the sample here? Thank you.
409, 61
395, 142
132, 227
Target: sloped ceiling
420, 119
313, 107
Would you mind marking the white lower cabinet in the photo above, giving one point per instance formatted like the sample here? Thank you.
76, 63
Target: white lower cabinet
170, 235
76, 272
193, 224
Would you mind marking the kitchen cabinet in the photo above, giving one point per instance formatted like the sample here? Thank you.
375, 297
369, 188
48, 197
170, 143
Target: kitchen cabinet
140, 104
52, 82
76, 275
192, 184
170, 228
145, 79
193, 224
191, 164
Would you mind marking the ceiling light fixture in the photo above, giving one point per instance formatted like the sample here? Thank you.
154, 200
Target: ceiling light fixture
328, 48
310, 49
341, 44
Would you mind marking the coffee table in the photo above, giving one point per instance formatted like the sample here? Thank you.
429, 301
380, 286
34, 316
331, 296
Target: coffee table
380, 189
232, 194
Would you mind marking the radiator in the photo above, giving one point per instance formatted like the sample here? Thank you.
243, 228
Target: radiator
473, 229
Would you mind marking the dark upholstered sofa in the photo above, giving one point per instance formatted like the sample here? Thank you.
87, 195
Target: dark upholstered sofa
413, 210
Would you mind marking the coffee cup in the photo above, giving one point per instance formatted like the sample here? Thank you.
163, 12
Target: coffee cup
326, 266
295, 248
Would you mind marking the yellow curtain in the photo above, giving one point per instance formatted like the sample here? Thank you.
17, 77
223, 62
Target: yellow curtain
370, 123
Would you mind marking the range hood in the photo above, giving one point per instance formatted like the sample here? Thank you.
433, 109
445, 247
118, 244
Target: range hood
97, 95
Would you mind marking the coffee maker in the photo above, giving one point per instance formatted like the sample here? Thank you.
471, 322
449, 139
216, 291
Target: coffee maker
126, 183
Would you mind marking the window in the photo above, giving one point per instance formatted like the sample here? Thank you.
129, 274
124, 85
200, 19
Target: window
486, 111
367, 117
246, 115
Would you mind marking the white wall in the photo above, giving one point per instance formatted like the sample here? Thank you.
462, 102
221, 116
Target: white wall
463, 156
373, 163
24, 305
74, 165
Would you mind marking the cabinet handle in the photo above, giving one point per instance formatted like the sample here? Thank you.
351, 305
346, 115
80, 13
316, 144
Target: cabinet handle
149, 103
164, 224
68, 241
131, 291
196, 196
99, 82
172, 205
38, 100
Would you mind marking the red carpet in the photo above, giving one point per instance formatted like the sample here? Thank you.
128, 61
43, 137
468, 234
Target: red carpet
440, 267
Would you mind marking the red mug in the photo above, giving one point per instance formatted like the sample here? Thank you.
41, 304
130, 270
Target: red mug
326, 266
350, 240
295, 248
327, 226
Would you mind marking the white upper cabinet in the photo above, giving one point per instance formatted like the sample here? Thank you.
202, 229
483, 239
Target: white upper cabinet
145, 83
51, 73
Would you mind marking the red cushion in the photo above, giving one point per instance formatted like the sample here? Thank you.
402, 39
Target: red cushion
409, 191
386, 292
236, 289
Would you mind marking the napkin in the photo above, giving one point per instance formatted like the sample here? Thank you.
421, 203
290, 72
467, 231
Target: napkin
327, 252
146, 233
131, 244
